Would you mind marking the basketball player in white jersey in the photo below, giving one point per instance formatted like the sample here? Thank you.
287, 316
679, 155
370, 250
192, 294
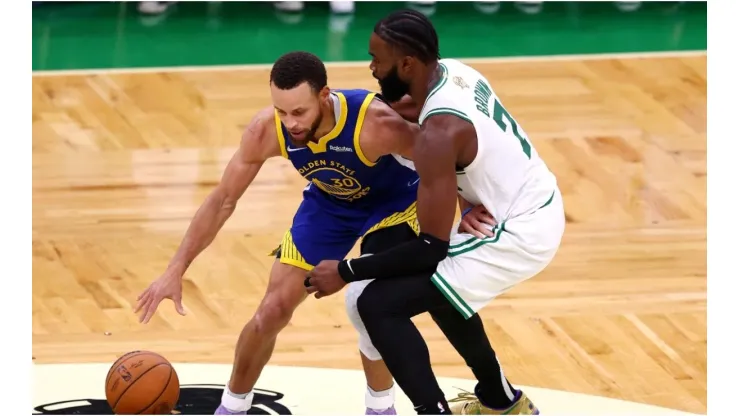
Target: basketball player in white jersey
469, 145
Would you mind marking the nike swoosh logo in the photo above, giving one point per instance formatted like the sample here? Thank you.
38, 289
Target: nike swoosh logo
295, 149
414, 182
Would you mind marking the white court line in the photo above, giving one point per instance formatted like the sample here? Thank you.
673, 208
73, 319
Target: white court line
357, 64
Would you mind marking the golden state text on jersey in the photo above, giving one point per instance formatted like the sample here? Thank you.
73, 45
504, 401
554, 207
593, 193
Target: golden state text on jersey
335, 165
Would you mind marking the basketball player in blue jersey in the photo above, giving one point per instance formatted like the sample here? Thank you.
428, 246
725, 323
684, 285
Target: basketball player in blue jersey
346, 143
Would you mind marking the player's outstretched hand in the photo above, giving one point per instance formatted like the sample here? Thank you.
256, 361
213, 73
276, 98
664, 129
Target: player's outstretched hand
168, 286
478, 222
324, 279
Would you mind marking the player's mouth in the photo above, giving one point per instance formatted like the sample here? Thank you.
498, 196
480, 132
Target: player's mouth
299, 135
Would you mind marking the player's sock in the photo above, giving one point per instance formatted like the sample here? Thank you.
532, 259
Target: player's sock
470, 340
493, 389
380, 400
439, 408
497, 397
235, 402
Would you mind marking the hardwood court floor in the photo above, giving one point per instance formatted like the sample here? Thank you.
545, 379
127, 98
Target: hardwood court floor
122, 161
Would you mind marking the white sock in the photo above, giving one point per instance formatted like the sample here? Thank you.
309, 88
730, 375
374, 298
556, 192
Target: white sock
380, 400
236, 402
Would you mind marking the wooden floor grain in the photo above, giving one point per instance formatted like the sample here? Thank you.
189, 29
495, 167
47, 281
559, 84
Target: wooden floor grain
121, 162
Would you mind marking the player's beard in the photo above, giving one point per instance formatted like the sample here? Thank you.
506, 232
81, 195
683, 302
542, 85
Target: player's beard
310, 133
392, 86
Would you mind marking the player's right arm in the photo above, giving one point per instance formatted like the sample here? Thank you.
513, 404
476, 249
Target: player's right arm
258, 143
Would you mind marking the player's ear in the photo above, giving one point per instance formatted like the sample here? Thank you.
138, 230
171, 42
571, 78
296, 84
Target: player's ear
324, 92
406, 65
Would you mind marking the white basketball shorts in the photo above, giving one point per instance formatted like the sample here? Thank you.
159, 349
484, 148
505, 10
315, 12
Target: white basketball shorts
478, 270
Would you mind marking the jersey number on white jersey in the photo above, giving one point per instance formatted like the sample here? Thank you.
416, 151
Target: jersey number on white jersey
483, 95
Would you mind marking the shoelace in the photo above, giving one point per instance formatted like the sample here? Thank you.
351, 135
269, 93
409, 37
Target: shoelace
463, 397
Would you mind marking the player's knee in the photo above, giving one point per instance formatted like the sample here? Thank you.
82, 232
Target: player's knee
272, 315
370, 304
368, 349
351, 295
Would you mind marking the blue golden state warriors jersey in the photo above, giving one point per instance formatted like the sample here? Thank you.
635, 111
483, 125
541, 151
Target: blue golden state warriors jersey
335, 165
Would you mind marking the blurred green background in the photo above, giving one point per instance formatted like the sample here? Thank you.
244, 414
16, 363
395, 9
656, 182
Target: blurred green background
117, 34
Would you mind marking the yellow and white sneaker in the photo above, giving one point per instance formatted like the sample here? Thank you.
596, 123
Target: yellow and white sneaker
467, 403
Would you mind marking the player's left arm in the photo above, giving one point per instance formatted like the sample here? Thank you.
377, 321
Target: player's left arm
435, 154
384, 132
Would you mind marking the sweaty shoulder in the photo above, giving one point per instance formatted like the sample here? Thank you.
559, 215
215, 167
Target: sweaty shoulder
259, 140
385, 132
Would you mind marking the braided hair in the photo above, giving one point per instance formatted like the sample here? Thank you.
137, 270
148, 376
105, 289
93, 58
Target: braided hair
412, 32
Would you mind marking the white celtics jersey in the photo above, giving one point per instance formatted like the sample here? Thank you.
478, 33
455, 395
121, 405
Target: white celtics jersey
507, 175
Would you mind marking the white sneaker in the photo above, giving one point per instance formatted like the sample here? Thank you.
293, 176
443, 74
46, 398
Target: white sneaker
529, 7
427, 8
342, 6
487, 7
289, 6
154, 7
628, 6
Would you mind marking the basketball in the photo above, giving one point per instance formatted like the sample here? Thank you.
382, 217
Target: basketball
142, 382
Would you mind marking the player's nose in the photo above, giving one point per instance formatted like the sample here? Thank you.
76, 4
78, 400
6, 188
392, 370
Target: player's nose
291, 124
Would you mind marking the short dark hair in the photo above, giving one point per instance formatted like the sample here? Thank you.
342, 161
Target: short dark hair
295, 68
412, 32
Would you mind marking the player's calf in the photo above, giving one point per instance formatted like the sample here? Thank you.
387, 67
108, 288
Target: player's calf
388, 324
257, 339
380, 393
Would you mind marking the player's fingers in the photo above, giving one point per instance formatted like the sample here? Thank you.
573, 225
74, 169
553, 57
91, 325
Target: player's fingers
178, 306
487, 218
144, 293
467, 227
311, 289
142, 299
484, 229
143, 313
144, 310
149, 315
319, 295
150, 308
464, 226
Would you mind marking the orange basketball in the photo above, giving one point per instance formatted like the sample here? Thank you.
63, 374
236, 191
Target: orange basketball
142, 382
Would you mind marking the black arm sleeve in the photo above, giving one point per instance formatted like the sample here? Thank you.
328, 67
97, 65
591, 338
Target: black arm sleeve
416, 256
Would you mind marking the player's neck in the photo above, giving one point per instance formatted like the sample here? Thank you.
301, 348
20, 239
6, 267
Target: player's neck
328, 118
431, 74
